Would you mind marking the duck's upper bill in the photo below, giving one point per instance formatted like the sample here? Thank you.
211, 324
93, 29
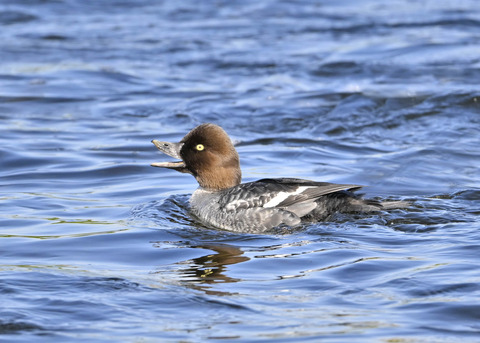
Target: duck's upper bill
208, 154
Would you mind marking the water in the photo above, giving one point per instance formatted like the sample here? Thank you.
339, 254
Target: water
96, 245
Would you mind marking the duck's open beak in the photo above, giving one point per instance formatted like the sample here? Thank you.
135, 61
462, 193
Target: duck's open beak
173, 150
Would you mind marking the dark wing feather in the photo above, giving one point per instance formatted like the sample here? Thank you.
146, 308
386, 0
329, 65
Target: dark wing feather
315, 190
259, 193
248, 195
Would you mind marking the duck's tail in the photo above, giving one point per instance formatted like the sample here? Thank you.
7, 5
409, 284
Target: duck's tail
391, 205
367, 205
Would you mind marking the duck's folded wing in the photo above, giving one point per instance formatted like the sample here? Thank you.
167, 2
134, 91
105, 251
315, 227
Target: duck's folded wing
283, 193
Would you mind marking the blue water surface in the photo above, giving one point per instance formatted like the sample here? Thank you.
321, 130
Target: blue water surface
97, 246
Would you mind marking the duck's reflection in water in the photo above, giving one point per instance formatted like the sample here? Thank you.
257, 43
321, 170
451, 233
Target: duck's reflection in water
211, 268
203, 272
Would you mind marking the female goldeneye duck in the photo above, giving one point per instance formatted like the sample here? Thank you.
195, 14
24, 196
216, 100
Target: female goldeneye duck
224, 202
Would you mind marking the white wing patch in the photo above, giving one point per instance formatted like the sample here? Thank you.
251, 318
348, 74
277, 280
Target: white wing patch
281, 196
234, 205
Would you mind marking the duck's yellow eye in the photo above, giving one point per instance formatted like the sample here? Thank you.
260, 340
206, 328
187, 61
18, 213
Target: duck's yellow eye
199, 147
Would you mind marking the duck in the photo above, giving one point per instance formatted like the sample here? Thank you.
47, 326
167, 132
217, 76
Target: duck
222, 201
